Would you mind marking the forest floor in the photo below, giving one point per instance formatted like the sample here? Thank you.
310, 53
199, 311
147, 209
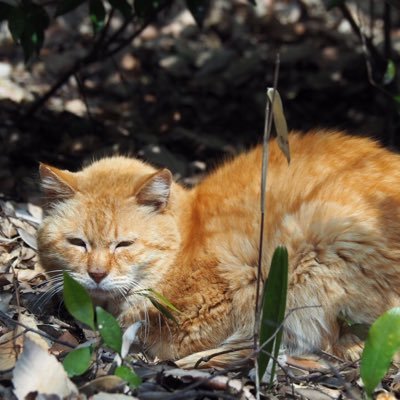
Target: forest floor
182, 98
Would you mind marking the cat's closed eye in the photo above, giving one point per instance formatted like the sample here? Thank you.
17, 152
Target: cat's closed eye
77, 242
124, 243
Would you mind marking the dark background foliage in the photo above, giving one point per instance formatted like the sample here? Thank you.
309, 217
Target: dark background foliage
182, 83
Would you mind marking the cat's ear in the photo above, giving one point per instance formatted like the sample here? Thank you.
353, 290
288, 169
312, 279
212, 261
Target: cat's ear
156, 190
57, 184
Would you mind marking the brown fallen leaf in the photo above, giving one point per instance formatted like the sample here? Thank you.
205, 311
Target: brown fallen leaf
57, 348
108, 383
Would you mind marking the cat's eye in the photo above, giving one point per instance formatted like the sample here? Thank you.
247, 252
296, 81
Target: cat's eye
77, 242
124, 243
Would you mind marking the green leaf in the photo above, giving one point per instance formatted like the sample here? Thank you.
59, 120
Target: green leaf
273, 308
5, 10
77, 301
129, 376
27, 24
396, 98
77, 361
16, 22
163, 300
109, 329
65, 6
163, 310
199, 9
390, 73
97, 14
122, 6
160, 302
382, 342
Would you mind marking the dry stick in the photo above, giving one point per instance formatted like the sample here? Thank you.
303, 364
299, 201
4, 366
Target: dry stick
267, 132
368, 42
4, 316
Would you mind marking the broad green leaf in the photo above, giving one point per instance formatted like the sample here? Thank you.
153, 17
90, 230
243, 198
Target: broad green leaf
129, 376
382, 343
77, 361
122, 6
97, 14
65, 6
199, 9
77, 301
5, 10
390, 72
273, 309
109, 329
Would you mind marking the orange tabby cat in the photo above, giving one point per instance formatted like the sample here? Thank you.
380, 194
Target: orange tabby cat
120, 225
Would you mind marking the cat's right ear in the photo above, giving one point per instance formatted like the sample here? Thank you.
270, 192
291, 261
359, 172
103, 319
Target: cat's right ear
56, 184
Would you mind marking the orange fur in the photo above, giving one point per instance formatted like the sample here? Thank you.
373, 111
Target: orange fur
336, 208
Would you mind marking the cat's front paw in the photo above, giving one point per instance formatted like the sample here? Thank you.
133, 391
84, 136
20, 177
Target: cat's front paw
349, 347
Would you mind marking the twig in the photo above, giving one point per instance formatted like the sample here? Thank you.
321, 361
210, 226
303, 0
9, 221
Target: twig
219, 353
267, 132
4, 316
81, 88
368, 42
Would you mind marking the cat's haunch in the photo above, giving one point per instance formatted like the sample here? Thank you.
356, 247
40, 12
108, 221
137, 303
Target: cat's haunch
120, 226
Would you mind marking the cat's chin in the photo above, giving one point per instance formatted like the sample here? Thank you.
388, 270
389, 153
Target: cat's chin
103, 298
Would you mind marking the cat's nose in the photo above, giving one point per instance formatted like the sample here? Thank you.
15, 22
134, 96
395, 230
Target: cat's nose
97, 276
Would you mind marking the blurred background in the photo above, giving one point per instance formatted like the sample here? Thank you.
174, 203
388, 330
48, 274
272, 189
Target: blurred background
182, 84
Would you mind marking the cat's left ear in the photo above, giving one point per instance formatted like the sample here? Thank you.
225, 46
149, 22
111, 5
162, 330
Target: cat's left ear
156, 190
56, 183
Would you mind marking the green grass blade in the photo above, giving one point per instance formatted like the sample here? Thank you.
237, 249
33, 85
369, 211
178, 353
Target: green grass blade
77, 301
382, 343
109, 329
273, 308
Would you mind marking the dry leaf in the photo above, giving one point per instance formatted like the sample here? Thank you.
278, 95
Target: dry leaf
9, 350
59, 348
28, 238
129, 337
38, 371
113, 396
280, 122
108, 383
315, 394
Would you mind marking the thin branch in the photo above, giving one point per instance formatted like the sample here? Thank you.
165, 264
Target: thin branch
266, 136
376, 56
219, 353
5, 317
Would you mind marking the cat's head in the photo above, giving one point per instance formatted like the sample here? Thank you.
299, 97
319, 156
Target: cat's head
113, 225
